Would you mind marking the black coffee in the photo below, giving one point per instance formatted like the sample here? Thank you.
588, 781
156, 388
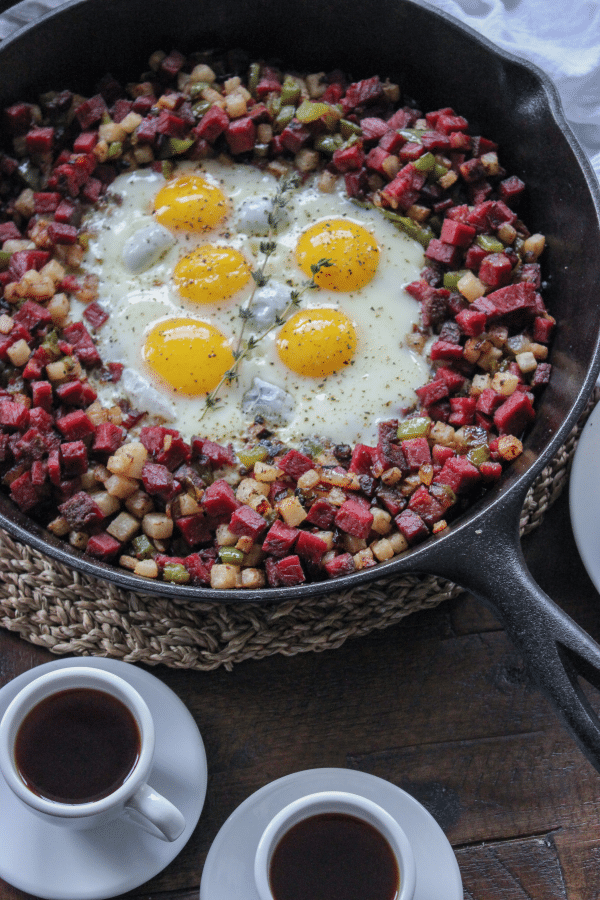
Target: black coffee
77, 746
333, 855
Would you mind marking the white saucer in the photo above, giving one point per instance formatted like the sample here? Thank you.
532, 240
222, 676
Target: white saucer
229, 869
584, 496
53, 862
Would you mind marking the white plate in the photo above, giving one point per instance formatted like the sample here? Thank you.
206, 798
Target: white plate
229, 869
584, 496
53, 862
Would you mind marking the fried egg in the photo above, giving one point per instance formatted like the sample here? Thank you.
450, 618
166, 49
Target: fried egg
318, 311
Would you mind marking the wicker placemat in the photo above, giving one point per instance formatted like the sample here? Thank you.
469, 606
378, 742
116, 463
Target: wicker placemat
66, 612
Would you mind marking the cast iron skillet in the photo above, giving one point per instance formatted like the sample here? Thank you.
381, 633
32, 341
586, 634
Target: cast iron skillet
440, 63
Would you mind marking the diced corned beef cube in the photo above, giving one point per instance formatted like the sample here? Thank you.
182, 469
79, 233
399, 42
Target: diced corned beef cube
403, 191
388, 451
440, 453
83, 345
91, 111
29, 447
295, 464
356, 183
268, 84
157, 479
515, 302
54, 472
511, 188
41, 395
40, 140
95, 314
515, 414
446, 350
375, 160
75, 426
311, 547
195, 529
447, 254
459, 474
62, 234
146, 131
392, 142
543, 327
198, 568
240, 135
541, 376
411, 526
295, 136
353, 518
474, 257
169, 124
103, 546
453, 379
427, 507
340, 565
213, 123
172, 63
107, 439
247, 522
81, 511
289, 571
13, 415
495, 270
174, 452
321, 514
472, 170
402, 118
85, 141
24, 492
71, 393
9, 232
39, 472
472, 321
46, 202
416, 452
23, 260
219, 499
373, 128
43, 421
216, 454
153, 437
73, 458
448, 123
18, 117
433, 392
435, 141
32, 314
411, 151
488, 402
363, 93
490, 471
279, 539
362, 459
348, 159
462, 410
457, 233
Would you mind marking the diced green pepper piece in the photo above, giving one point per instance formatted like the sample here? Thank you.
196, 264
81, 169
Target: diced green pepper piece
413, 428
4, 260
251, 455
415, 231
143, 547
311, 111
284, 117
50, 345
176, 572
253, 77
231, 555
413, 135
349, 129
328, 143
201, 107
167, 168
180, 145
489, 243
438, 172
115, 149
196, 89
425, 163
451, 279
478, 455
290, 91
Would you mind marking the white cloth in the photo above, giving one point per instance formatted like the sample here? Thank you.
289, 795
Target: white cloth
561, 37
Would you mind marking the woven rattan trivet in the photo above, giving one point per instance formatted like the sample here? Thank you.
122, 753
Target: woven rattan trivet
66, 612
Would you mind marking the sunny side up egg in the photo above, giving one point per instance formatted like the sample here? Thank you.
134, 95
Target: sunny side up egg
174, 275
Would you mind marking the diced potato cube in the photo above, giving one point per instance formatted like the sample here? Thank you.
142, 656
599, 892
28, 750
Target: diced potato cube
526, 362
248, 488
381, 520
244, 543
509, 447
128, 562
123, 527
6, 323
308, 480
398, 542
353, 544
59, 526
363, 559
266, 473
147, 568
157, 526
327, 537
470, 286
392, 476
128, 460
336, 497
78, 539
224, 537
18, 353
443, 434
534, 245
252, 578
59, 308
224, 577
121, 486
139, 504
292, 512
107, 503
504, 383
382, 549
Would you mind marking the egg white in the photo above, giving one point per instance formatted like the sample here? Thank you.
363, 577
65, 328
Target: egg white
346, 406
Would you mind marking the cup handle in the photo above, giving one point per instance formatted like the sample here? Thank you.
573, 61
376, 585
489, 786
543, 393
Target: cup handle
155, 814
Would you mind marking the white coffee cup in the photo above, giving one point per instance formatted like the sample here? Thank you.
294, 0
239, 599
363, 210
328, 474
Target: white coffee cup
335, 802
133, 797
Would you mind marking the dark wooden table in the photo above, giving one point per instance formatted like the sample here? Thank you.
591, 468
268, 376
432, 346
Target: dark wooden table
440, 705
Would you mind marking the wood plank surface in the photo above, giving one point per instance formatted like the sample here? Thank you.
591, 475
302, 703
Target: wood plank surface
440, 705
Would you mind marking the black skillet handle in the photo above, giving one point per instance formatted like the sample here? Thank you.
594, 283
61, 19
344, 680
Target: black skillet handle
489, 563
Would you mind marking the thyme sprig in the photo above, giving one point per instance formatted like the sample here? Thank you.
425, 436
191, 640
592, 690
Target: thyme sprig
267, 247
239, 355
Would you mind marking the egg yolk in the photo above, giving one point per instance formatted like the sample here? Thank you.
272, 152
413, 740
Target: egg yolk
190, 203
317, 342
188, 355
352, 251
211, 274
